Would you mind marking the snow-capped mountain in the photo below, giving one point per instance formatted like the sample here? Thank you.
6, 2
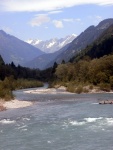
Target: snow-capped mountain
70, 50
52, 45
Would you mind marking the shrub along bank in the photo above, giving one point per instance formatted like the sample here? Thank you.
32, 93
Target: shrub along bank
81, 76
9, 84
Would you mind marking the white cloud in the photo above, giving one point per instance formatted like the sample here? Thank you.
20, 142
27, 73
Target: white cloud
68, 20
78, 20
55, 12
46, 5
38, 20
58, 23
71, 20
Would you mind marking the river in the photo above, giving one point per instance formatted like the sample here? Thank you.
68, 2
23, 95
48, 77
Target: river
58, 122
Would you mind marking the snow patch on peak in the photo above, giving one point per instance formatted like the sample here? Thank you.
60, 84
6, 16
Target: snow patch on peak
33, 42
29, 41
52, 45
68, 39
75, 35
38, 41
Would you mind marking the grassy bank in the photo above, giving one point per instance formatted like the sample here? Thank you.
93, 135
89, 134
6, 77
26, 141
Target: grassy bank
9, 84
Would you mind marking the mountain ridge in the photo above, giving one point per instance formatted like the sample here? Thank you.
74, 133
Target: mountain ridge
52, 45
16, 50
102, 46
78, 44
84, 39
20, 52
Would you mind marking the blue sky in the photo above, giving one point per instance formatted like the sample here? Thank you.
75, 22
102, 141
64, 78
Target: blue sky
45, 19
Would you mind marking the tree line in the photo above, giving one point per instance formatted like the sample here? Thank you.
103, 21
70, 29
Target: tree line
16, 77
97, 72
91, 66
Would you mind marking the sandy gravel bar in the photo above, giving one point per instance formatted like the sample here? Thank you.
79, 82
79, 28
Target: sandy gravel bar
16, 104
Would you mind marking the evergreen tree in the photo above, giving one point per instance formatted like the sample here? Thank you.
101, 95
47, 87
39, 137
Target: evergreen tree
54, 67
1, 61
63, 61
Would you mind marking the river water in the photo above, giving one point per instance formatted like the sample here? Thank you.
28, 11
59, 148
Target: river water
58, 122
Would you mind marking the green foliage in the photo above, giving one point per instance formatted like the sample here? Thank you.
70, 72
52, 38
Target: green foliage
111, 81
7, 70
1, 61
63, 61
24, 83
83, 70
10, 84
93, 65
102, 46
6, 89
54, 67
79, 89
61, 72
76, 88
91, 87
85, 90
71, 88
8, 79
101, 77
105, 87
93, 72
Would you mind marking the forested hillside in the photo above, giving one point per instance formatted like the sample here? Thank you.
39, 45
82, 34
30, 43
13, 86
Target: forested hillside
102, 46
86, 38
12, 77
92, 66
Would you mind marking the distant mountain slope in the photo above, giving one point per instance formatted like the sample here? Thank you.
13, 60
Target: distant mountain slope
84, 39
13, 49
52, 45
102, 46
46, 60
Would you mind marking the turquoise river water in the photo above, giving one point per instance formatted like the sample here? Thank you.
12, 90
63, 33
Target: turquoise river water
58, 122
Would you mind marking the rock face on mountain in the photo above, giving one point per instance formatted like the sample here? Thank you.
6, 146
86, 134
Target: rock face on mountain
52, 45
70, 50
13, 49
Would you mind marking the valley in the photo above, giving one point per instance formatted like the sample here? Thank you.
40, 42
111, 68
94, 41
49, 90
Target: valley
86, 61
56, 75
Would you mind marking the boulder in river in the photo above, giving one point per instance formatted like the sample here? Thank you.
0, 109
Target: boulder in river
106, 102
